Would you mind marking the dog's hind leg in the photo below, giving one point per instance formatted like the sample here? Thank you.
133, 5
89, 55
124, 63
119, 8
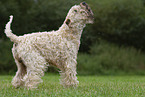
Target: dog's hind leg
36, 65
17, 80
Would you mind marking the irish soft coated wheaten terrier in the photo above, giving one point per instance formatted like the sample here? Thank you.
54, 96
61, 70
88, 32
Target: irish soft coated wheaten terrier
34, 52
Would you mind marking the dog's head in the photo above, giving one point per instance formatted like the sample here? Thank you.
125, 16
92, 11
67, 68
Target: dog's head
80, 13
87, 12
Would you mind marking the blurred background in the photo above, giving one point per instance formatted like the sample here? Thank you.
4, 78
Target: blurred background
113, 45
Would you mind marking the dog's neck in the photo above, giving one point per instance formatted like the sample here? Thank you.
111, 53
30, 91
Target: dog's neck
74, 30
72, 33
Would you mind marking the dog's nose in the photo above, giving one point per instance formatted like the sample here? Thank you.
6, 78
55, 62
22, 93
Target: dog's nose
83, 3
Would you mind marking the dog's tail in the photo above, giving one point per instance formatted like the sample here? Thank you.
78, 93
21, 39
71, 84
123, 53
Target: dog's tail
8, 31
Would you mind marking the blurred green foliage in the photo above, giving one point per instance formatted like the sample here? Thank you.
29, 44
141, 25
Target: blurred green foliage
7, 64
119, 22
107, 58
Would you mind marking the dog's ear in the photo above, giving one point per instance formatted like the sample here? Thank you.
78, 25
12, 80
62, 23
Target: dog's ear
68, 22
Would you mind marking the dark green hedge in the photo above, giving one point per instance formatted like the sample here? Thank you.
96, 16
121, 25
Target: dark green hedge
119, 21
7, 64
108, 59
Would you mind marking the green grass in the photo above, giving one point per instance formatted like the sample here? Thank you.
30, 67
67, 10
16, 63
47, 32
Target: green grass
90, 86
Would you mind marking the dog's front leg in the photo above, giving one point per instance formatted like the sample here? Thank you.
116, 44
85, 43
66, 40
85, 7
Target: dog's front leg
68, 75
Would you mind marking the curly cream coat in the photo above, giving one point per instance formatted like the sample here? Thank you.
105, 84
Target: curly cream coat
34, 52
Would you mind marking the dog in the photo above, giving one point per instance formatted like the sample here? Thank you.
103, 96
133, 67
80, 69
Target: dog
33, 53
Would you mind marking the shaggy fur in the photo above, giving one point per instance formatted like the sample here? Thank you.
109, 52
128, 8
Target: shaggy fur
34, 52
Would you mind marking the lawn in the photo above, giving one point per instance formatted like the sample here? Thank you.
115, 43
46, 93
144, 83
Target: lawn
90, 86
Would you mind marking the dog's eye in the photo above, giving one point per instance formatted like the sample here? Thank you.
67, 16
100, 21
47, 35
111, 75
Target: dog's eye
75, 11
83, 12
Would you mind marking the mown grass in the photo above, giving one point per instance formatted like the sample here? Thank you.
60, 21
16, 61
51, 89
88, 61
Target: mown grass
90, 86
